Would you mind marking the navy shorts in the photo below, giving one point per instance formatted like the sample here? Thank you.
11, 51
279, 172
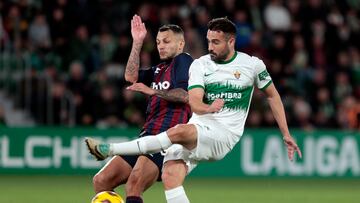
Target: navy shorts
157, 158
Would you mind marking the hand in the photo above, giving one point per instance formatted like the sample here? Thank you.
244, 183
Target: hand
291, 147
138, 29
140, 87
216, 106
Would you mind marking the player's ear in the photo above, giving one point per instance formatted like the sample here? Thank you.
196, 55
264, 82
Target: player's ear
181, 44
232, 40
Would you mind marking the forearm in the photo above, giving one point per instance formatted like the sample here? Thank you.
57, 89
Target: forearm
174, 95
199, 107
278, 111
133, 64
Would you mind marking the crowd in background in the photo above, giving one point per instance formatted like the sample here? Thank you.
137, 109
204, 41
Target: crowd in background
311, 49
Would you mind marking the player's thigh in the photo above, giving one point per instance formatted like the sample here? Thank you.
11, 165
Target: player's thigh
184, 134
214, 142
174, 173
115, 172
144, 174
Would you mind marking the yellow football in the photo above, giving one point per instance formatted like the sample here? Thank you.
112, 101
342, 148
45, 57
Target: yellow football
107, 197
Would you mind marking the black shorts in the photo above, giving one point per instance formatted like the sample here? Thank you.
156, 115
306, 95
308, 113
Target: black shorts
157, 158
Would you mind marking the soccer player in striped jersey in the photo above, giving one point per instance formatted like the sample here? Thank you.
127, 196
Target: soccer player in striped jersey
166, 85
221, 85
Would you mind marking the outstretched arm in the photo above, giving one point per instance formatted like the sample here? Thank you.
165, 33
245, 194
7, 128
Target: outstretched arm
278, 111
173, 95
138, 33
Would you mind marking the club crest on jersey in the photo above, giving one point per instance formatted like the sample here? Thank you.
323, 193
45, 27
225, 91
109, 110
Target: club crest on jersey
157, 70
237, 74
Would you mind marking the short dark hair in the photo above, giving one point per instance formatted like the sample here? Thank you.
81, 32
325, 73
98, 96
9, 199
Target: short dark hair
175, 28
222, 24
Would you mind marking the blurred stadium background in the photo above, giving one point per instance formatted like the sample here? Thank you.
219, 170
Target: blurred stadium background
61, 78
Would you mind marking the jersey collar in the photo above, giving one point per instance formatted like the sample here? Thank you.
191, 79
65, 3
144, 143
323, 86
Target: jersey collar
228, 61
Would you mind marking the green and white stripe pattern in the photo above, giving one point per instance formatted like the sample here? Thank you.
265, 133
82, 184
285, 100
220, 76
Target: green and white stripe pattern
233, 81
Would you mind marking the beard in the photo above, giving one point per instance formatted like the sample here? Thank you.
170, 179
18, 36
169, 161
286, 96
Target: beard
169, 55
219, 57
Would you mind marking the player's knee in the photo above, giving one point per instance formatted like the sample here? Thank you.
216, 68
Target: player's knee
169, 179
165, 176
99, 180
179, 132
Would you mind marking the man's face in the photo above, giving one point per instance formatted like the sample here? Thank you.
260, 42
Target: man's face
169, 44
218, 45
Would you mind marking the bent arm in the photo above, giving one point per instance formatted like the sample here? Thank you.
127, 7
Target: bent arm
173, 95
133, 64
197, 105
138, 33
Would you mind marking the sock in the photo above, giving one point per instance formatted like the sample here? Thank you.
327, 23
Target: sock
143, 145
176, 195
134, 199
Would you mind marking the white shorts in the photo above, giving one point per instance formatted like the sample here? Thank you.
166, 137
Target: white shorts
213, 143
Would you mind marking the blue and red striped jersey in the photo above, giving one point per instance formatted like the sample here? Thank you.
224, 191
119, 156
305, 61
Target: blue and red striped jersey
160, 113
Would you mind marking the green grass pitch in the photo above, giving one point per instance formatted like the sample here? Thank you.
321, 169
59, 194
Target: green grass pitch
78, 189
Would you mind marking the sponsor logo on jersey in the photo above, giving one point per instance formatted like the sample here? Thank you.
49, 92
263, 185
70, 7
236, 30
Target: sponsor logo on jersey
160, 85
262, 76
224, 95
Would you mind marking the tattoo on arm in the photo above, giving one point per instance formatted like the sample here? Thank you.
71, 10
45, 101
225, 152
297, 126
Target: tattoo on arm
174, 95
132, 66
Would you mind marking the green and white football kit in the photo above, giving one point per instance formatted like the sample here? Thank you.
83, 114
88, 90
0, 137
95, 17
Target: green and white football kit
233, 81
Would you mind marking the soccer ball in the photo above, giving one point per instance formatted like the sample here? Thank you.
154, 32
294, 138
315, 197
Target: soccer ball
107, 197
